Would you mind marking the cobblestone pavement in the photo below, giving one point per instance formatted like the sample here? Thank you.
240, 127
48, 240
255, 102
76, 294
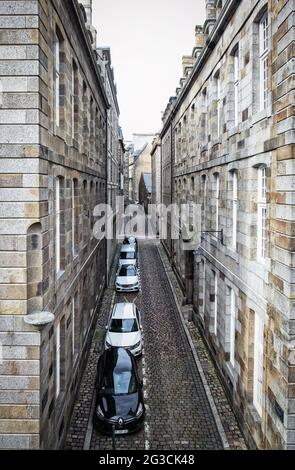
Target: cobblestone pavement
179, 416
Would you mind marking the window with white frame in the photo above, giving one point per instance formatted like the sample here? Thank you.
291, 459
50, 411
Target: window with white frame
232, 299
262, 214
217, 197
203, 286
75, 225
215, 311
204, 190
264, 61
58, 224
258, 363
234, 210
176, 145
57, 362
237, 83
218, 98
57, 50
74, 98
205, 112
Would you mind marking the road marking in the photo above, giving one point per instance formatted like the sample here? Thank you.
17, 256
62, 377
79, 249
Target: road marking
145, 394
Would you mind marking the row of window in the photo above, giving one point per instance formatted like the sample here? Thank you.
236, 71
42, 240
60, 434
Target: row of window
261, 206
92, 120
79, 319
231, 311
183, 129
90, 197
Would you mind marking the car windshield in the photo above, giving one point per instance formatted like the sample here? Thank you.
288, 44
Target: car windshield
130, 255
128, 271
119, 382
128, 325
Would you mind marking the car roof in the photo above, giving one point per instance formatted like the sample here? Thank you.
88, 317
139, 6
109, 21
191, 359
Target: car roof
126, 266
124, 310
127, 248
118, 357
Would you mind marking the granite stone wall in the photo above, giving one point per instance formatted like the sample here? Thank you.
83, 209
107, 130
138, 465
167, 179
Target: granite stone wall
210, 141
34, 151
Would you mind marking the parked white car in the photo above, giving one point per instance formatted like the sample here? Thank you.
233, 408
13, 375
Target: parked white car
127, 279
128, 256
124, 329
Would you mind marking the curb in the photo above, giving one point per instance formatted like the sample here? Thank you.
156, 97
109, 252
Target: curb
214, 410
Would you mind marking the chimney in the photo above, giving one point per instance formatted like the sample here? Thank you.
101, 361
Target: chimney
199, 41
210, 17
188, 63
87, 4
211, 9
199, 35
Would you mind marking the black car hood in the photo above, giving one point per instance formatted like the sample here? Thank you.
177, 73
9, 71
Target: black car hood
119, 406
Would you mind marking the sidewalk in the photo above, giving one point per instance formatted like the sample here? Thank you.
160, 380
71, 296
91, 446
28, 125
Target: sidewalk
233, 433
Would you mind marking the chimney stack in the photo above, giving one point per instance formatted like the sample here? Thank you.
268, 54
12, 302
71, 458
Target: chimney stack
211, 9
87, 4
188, 63
210, 16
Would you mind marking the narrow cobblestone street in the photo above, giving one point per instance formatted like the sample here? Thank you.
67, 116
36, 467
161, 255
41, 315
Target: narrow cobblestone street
179, 415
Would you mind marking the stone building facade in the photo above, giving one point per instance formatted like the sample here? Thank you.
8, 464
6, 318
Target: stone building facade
52, 174
228, 144
156, 180
115, 148
142, 164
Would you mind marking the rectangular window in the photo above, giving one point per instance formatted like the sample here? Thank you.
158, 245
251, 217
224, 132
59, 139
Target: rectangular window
57, 50
237, 83
264, 62
203, 286
215, 280
205, 113
258, 364
57, 363
218, 95
75, 218
57, 224
235, 211
217, 196
74, 99
232, 326
262, 214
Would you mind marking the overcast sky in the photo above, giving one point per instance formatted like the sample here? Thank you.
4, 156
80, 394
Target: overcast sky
148, 39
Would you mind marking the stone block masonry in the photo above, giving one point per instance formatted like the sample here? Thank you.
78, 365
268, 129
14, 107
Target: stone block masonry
231, 127
50, 180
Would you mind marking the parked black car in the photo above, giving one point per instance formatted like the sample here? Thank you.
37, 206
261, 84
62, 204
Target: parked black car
119, 401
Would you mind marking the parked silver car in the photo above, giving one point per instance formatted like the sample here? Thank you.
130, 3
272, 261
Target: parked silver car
128, 256
127, 279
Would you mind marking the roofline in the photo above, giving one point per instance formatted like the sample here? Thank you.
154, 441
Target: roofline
226, 14
78, 12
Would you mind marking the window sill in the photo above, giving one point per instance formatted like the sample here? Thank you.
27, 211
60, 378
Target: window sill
233, 254
60, 278
216, 142
261, 116
75, 259
234, 131
254, 414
